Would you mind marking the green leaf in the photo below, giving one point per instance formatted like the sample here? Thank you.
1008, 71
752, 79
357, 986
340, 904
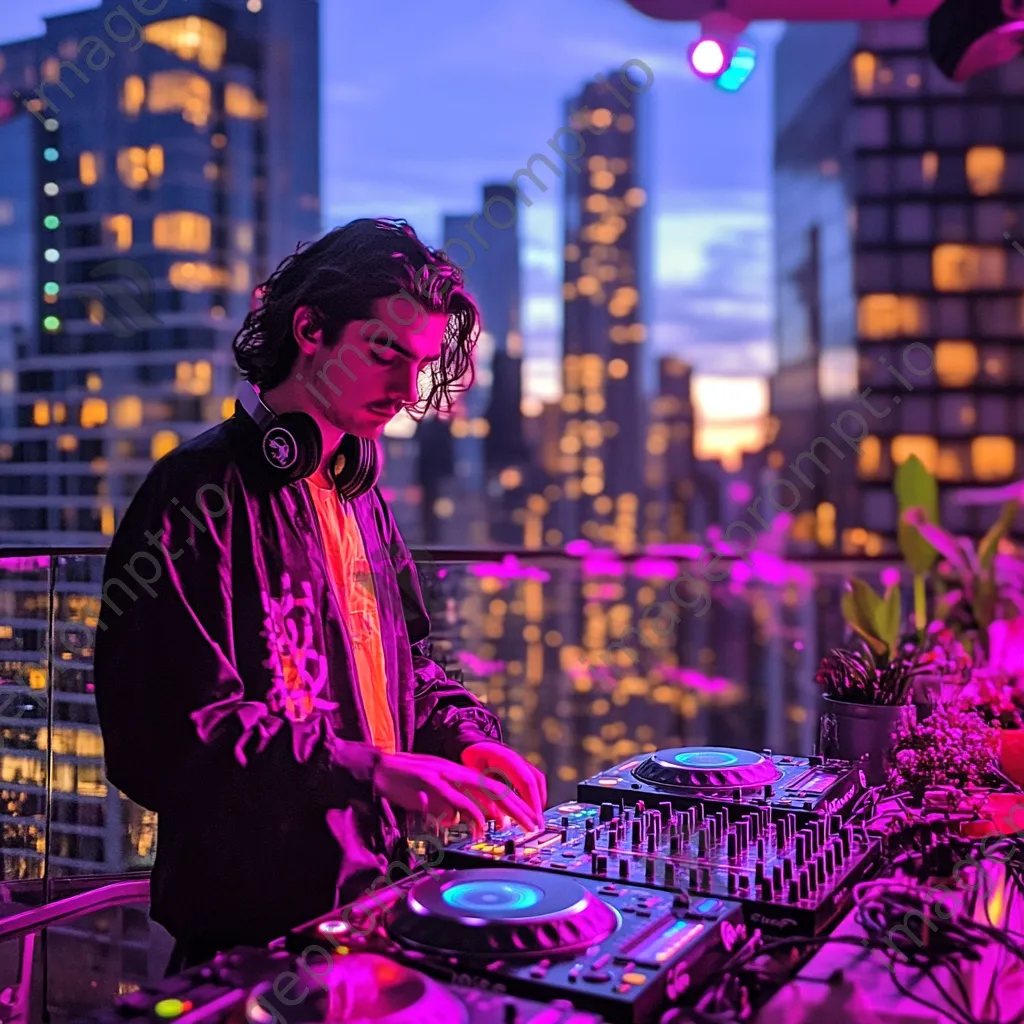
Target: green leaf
862, 610
890, 616
989, 546
916, 488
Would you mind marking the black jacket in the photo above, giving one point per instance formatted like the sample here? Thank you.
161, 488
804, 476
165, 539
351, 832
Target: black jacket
226, 697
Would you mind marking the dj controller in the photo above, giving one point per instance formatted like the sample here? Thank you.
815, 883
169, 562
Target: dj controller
623, 908
717, 832
623, 952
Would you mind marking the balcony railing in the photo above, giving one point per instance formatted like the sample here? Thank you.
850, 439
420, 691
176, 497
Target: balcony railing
533, 635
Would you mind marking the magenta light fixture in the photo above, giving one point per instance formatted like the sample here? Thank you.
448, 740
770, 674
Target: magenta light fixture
707, 58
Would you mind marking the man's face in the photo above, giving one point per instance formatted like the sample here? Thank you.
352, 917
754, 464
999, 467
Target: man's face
374, 369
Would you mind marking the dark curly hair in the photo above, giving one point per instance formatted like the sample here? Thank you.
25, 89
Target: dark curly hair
339, 277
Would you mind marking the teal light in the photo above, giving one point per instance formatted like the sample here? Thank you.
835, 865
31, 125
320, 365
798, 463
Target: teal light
52, 323
51, 288
50, 154
51, 222
739, 70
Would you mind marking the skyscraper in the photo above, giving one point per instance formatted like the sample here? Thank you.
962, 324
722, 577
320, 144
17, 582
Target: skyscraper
482, 448
173, 161
604, 330
908, 188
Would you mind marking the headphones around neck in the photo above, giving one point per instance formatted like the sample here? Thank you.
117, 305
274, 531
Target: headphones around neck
293, 447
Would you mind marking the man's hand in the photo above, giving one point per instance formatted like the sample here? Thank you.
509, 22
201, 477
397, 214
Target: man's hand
503, 763
446, 790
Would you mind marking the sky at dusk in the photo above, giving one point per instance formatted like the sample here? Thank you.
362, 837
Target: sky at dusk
424, 103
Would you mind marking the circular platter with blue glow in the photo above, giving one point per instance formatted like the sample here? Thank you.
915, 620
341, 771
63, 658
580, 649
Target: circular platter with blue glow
707, 770
500, 912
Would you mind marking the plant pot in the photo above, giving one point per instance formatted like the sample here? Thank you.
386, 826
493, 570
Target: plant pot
1011, 754
925, 693
850, 732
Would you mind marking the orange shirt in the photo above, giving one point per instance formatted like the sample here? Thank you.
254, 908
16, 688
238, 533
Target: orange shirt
353, 586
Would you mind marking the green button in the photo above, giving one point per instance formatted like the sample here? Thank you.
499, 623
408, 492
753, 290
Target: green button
169, 1008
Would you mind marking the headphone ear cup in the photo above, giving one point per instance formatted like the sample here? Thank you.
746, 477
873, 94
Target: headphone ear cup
356, 466
292, 447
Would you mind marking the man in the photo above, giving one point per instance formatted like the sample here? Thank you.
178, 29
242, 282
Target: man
261, 676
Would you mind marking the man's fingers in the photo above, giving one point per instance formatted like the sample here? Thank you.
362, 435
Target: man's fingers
464, 805
521, 812
524, 781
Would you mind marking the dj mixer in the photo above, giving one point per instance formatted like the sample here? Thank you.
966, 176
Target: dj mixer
260, 986
731, 780
622, 952
790, 880
793, 871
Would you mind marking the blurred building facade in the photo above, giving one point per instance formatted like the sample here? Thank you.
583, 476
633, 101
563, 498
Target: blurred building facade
605, 349
173, 161
900, 314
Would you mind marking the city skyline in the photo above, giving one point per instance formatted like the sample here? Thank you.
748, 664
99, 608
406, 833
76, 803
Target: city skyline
710, 181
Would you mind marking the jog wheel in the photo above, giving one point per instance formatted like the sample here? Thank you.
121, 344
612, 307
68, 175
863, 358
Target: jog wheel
706, 769
489, 913
352, 989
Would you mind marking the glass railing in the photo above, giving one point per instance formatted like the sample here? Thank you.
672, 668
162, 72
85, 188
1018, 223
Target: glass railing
587, 658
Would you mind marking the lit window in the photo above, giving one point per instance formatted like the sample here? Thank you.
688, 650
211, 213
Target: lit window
240, 101
133, 166
155, 160
618, 369
180, 91
133, 95
182, 231
864, 67
870, 460
97, 314
198, 277
193, 378
119, 228
929, 168
993, 458
190, 38
950, 467
956, 363
880, 317
107, 521
164, 441
635, 197
985, 167
623, 302
924, 447
602, 180
961, 268
94, 412
41, 414
88, 169
93, 381
128, 412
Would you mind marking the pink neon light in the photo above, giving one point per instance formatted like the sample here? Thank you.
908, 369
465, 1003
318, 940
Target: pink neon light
708, 57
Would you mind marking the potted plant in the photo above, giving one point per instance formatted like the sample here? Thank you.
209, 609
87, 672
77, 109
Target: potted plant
954, 748
976, 585
868, 688
997, 691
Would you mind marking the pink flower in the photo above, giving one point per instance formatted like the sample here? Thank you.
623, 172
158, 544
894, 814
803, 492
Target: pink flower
1006, 648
